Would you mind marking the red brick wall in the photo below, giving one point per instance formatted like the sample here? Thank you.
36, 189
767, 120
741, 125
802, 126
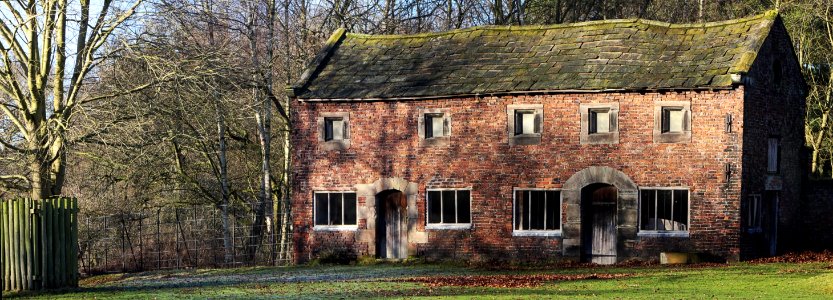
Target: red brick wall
384, 143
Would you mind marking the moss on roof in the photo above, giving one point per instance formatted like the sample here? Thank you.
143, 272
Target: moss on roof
630, 54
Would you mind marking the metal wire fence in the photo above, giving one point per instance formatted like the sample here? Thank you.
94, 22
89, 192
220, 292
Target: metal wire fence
177, 238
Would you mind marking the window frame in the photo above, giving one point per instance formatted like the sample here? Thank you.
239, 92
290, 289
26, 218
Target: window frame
756, 228
684, 136
593, 123
666, 117
664, 233
329, 130
529, 138
330, 145
599, 138
423, 136
539, 232
448, 226
343, 227
777, 155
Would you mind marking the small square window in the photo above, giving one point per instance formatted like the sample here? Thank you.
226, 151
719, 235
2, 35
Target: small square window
434, 126
599, 121
672, 122
525, 122
673, 119
333, 129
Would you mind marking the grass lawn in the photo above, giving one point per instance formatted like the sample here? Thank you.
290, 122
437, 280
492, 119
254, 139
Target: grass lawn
735, 281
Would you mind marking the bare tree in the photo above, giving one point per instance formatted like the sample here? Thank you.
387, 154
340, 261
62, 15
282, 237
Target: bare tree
42, 79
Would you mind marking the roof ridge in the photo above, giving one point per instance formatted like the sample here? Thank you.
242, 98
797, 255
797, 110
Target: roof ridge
770, 14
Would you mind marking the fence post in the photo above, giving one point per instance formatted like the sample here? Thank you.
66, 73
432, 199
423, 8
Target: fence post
194, 236
3, 247
89, 255
49, 260
62, 244
106, 267
158, 242
123, 235
30, 251
141, 240
16, 248
176, 237
74, 238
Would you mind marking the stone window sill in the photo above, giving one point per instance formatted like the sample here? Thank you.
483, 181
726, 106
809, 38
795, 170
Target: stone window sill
673, 137
448, 226
335, 228
601, 138
436, 141
539, 233
526, 139
674, 234
336, 145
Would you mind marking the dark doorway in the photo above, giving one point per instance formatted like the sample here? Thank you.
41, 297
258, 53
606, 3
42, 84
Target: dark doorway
769, 220
391, 225
598, 223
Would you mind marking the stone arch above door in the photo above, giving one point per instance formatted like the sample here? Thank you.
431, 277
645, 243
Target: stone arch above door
367, 211
626, 207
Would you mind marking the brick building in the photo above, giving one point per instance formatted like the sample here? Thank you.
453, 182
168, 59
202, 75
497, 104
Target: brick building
599, 141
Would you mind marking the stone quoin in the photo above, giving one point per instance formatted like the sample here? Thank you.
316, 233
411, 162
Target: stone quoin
600, 141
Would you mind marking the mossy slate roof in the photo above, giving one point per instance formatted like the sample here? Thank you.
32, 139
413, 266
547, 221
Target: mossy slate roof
631, 54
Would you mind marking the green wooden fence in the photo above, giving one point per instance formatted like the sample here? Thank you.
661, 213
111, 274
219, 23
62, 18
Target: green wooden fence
39, 243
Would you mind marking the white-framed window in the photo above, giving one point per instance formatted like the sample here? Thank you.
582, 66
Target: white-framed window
525, 122
335, 210
599, 120
448, 208
664, 211
536, 212
435, 126
673, 119
753, 213
672, 122
773, 155
599, 123
334, 129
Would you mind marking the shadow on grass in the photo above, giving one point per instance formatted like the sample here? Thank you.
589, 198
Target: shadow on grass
375, 281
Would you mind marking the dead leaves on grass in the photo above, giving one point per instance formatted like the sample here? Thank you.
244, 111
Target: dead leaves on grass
504, 281
797, 258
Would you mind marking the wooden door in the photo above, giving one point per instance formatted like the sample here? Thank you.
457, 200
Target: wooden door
600, 221
392, 231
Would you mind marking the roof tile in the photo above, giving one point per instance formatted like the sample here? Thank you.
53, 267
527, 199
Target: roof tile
597, 55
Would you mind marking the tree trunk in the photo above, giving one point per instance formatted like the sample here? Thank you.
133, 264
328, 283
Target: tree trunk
264, 127
224, 185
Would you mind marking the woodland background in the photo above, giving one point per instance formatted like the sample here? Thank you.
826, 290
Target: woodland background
131, 104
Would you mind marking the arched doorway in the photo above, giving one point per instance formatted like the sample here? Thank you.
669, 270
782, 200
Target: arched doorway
391, 224
615, 194
598, 222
